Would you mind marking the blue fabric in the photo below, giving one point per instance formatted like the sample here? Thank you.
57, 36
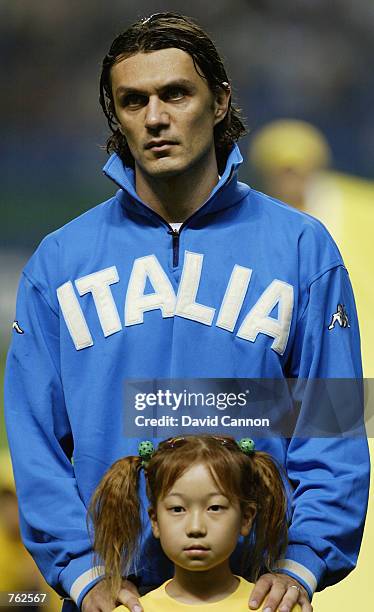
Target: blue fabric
58, 397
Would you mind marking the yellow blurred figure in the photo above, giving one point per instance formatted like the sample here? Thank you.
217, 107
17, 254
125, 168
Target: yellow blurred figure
18, 571
345, 204
286, 154
290, 159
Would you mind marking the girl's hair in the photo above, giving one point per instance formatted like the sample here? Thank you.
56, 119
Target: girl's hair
164, 31
253, 480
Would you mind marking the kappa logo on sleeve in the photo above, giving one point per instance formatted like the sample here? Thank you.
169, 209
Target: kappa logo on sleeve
18, 329
340, 316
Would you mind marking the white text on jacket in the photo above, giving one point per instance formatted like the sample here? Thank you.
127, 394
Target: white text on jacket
183, 304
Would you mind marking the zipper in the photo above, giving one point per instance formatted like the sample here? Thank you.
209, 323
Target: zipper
175, 237
175, 233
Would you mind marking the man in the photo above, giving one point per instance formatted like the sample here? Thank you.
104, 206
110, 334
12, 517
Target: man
120, 293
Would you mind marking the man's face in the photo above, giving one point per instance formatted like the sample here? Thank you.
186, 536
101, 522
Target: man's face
165, 110
197, 525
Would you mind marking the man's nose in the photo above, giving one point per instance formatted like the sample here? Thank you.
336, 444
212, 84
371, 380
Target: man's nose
196, 526
156, 114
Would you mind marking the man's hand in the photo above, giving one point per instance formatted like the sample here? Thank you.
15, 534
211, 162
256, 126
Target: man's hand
98, 600
282, 596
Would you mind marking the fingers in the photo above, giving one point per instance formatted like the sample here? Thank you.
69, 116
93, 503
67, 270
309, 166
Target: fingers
275, 596
290, 600
262, 587
295, 594
291, 597
129, 596
305, 604
97, 599
283, 593
130, 601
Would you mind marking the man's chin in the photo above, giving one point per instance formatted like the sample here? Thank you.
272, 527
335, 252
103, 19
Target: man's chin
164, 167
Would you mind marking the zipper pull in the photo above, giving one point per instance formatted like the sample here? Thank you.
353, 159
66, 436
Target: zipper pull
175, 236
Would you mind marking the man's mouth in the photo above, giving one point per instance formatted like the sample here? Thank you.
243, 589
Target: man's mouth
160, 145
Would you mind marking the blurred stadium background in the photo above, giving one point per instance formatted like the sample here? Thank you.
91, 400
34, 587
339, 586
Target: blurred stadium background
311, 61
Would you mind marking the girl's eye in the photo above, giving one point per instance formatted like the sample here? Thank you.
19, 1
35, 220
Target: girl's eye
216, 508
176, 509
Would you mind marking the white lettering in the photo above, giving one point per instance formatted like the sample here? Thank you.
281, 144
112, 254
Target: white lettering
163, 421
98, 283
74, 317
228, 421
208, 421
234, 297
136, 302
258, 320
148, 269
187, 306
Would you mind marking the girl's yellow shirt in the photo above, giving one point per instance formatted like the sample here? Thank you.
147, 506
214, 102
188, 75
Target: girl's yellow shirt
159, 601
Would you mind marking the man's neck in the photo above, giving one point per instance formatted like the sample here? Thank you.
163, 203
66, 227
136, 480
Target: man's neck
177, 197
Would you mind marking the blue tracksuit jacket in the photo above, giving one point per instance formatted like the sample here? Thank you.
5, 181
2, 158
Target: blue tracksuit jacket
248, 289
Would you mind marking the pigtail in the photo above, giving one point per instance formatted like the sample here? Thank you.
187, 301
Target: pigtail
269, 532
116, 519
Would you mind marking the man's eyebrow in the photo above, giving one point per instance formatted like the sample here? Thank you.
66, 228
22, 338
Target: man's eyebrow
122, 89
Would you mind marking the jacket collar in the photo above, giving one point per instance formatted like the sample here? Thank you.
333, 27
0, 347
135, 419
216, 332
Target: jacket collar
226, 193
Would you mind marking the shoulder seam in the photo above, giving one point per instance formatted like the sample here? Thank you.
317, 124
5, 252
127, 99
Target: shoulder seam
328, 268
331, 266
39, 290
27, 277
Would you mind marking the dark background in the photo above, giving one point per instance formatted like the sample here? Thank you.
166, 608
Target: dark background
295, 58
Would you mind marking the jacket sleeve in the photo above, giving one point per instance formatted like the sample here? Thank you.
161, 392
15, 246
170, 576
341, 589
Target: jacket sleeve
329, 472
52, 514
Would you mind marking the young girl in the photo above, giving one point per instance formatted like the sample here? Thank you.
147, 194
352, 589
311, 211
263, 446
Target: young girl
204, 493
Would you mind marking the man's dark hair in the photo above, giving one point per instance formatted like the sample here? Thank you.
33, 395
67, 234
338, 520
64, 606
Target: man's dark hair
164, 31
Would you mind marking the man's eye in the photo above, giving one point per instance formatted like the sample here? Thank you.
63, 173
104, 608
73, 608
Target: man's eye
176, 93
132, 100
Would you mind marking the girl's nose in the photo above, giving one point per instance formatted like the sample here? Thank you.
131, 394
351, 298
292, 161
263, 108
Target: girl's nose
196, 526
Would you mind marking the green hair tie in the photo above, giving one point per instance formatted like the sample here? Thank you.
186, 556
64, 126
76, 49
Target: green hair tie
247, 446
145, 450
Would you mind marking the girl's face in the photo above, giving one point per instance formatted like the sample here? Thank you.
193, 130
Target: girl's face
197, 525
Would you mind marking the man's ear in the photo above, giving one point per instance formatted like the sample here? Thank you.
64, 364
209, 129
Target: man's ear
153, 518
248, 516
222, 102
112, 109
